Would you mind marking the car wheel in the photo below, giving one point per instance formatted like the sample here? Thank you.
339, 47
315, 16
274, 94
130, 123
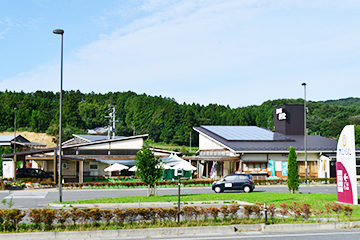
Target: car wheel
247, 189
217, 189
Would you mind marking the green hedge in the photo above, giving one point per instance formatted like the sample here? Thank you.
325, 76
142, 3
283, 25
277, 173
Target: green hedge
75, 219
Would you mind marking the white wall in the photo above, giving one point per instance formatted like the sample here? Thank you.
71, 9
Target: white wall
207, 144
125, 144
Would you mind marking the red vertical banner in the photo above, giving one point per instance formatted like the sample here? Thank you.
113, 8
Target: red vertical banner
346, 167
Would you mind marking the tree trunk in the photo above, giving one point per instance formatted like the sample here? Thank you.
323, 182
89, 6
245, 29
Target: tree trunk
151, 190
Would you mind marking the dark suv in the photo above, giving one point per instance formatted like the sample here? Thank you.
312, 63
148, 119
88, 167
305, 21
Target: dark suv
234, 182
32, 173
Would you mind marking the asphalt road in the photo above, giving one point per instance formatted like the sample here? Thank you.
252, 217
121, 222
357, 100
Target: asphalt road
348, 234
24, 199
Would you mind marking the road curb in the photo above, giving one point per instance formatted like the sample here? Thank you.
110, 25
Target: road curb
179, 231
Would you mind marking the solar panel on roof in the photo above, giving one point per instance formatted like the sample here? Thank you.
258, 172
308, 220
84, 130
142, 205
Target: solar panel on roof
241, 133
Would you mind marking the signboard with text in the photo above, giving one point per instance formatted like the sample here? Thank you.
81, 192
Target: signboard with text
8, 169
346, 167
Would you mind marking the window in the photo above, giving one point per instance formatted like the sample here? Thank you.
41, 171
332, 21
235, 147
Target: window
242, 177
230, 178
263, 167
93, 166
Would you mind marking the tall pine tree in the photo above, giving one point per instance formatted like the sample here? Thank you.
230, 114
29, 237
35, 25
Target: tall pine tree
293, 171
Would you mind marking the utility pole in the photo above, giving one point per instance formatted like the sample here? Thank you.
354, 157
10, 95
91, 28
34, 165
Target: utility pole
190, 141
112, 122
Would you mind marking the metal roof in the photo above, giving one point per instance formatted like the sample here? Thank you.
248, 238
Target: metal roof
241, 133
314, 143
94, 138
7, 138
246, 133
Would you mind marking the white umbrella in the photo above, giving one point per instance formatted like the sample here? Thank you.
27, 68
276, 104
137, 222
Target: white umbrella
115, 167
133, 169
184, 166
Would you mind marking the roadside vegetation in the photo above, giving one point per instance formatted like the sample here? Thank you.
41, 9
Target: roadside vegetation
281, 208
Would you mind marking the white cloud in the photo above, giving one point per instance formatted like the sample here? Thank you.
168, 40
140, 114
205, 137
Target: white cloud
225, 52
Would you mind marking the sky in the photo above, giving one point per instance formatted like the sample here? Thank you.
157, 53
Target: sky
227, 52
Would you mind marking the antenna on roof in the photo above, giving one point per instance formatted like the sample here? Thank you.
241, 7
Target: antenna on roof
112, 121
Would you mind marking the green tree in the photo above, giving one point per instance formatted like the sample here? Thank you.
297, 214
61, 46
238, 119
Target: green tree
293, 172
148, 166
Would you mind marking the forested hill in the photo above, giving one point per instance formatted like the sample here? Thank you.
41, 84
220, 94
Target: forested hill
162, 118
344, 102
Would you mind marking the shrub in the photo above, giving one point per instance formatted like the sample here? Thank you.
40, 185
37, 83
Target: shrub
214, 212
271, 210
284, 210
348, 210
256, 209
76, 214
305, 210
95, 215
62, 216
224, 209
132, 214
172, 213
337, 208
295, 210
119, 215
248, 210
233, 209
318, 212
48, 216
203, 212
35, 216
16, 216
187, 212
107, 215
328, 208
147, 214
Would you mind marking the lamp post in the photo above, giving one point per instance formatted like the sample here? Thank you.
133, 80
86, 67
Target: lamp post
305, 133
15, 130
61, 32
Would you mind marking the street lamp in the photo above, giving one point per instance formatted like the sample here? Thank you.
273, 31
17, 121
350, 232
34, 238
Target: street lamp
15, 130
61, 32
305, 133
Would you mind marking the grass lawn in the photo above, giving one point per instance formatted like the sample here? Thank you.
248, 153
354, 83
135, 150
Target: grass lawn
254, 197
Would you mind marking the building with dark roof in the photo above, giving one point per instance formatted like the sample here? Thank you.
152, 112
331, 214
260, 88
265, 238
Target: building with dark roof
86, 155
22, 143
227, 149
